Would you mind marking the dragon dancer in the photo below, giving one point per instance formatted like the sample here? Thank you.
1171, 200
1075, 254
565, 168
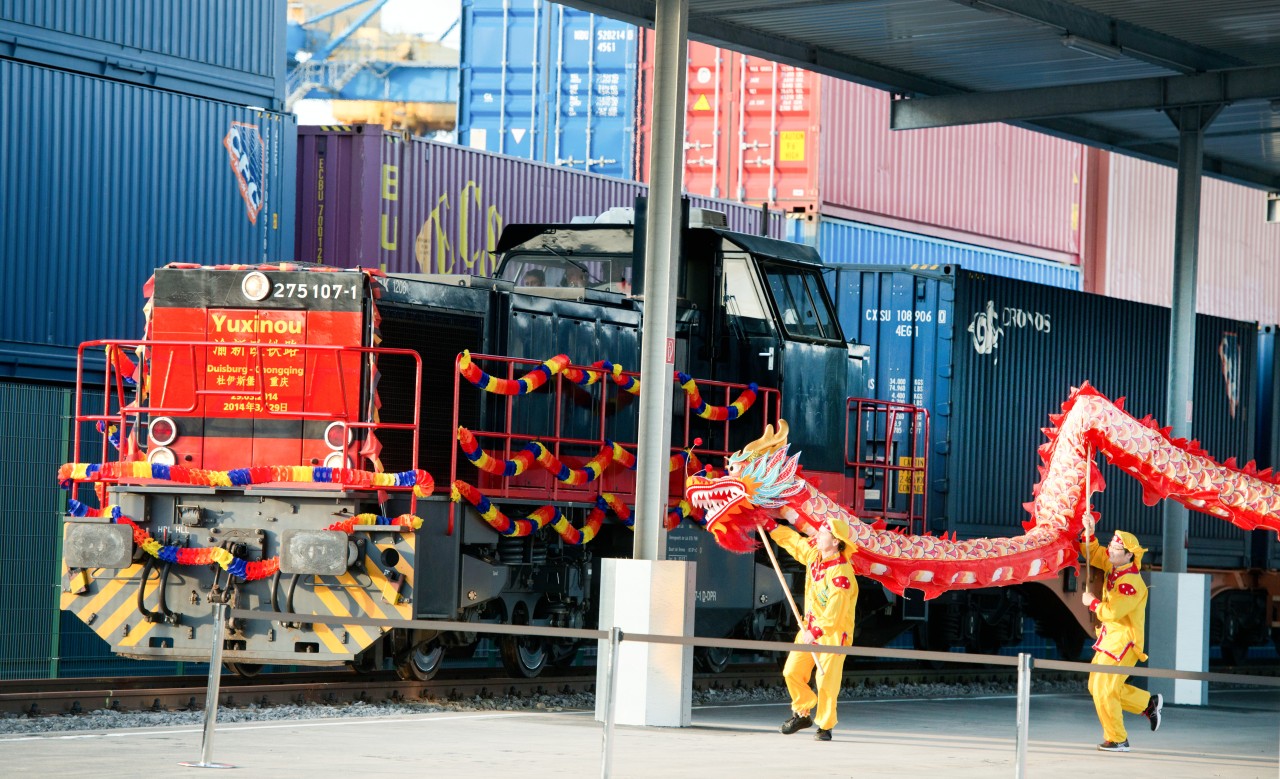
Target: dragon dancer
1123, 613
830, 594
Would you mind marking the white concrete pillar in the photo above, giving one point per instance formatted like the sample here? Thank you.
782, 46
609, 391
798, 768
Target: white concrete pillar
1178, 634
654, 684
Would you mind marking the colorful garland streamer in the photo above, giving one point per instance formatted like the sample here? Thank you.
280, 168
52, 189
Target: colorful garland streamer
536, 452
550, 515
734, 410
421, 482
249, 570
527, 383
536, 378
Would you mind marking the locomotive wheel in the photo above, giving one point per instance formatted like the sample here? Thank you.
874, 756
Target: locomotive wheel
244, 670
422, 662
712, 659
1234, 652
523, 656
1070, 642
562, 654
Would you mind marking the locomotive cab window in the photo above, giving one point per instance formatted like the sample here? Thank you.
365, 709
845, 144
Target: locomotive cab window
804, 310
743, 298
610, 274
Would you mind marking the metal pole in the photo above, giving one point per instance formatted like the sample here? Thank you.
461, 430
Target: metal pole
1024, 714
606, 757
211, 697
661, 271
1182, 325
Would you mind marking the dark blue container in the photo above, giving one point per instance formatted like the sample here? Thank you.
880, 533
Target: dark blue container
549, 83
230, 50
991, 358
102, 182
843, 241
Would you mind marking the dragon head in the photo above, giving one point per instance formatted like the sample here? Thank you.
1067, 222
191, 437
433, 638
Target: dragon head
761, 476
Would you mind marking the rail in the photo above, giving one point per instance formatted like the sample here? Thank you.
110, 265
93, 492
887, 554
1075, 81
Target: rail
119, 409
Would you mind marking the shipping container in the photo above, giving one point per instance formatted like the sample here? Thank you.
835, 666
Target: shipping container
102, 182
228, 50
843, 242
549, 83
1238, 271
751, 127
991, 358
817, 146
372, 198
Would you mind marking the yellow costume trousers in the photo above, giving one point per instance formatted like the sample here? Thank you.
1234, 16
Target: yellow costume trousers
1112, 697
796, 672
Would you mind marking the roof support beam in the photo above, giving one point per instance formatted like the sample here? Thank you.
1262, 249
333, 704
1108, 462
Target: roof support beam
1160, 94
1133, 41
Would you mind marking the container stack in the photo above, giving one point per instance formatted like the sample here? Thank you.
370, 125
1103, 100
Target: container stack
133, 138
135, 134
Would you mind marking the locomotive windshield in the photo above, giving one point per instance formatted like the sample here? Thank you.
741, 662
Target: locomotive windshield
544, 269
803, 308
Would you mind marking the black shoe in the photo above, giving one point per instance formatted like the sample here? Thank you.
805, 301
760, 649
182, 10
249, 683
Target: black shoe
823, 734
1111, 746
797, 722
1153, 711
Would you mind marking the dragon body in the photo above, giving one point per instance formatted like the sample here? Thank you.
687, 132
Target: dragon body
763, 481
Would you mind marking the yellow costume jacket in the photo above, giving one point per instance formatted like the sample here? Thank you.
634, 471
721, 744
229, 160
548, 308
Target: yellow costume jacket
830, 589
1122, 608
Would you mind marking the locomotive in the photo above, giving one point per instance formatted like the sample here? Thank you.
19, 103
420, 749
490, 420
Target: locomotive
305, 440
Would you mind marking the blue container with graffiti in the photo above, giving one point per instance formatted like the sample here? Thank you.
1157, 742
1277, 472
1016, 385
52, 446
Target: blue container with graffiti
991, 358
843, 241
104, 181
549, 83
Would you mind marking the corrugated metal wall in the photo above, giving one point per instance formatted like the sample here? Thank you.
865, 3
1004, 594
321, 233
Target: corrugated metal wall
232, 50
986, 180
843, 242
370, 198
1238, 272
102, 182
1039, 342
38, 641
549, 83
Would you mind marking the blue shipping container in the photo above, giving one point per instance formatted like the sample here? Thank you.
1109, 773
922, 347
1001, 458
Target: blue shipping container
843, 242
102, 182
230, 50
549, 83
991, 358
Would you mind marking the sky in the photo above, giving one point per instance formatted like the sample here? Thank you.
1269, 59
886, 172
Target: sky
423, 17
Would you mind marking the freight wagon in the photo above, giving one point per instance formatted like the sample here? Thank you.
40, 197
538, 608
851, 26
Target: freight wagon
292, 419
990, 358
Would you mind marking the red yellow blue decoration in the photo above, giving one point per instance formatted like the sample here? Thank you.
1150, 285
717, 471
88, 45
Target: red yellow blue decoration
716, 413
249, 570
421, 482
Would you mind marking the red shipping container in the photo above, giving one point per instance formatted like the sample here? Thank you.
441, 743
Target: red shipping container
809, 144
1237, 274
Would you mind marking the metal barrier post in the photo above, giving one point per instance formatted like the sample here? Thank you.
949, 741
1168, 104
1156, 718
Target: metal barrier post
1024, 714
611, 674
211, 696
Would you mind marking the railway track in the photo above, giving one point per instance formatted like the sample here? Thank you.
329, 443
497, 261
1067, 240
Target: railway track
44, 697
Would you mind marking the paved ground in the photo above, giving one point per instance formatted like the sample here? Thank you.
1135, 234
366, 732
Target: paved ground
1238, 735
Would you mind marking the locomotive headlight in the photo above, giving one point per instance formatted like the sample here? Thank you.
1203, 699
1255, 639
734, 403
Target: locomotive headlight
162, 431
160, 455
97, 545
306, 551
337, 460
337, 435
255, 285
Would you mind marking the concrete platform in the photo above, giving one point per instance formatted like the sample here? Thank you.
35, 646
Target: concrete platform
1237, 735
